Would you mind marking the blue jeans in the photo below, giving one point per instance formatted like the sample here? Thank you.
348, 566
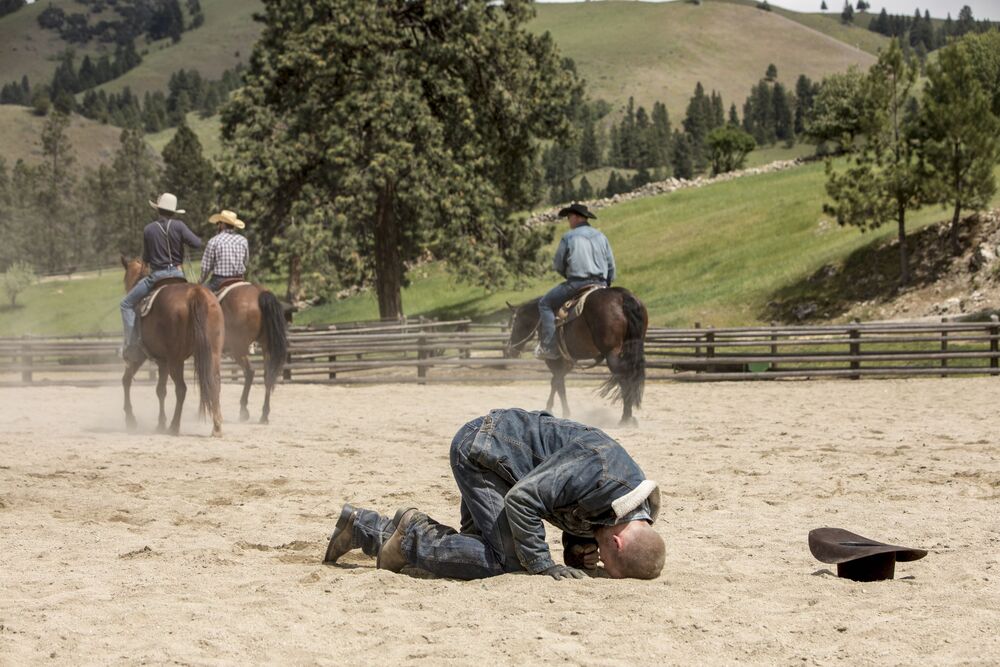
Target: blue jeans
483, 548
137, 294
552, 302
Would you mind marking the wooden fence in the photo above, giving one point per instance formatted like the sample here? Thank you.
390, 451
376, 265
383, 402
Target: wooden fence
421, 352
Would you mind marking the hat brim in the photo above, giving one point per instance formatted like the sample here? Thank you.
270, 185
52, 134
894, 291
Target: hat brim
218, 217
179, 211
836, 545
569, 209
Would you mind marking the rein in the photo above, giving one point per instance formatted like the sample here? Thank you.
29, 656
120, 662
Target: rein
531, 333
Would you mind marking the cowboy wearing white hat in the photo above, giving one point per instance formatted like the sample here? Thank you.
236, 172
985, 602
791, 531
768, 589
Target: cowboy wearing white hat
226, 254
163, 242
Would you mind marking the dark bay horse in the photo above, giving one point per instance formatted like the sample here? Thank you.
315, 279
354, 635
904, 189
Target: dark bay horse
612, 327
254, 314
185, 320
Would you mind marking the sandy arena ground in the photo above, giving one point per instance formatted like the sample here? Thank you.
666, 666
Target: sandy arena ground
119, 548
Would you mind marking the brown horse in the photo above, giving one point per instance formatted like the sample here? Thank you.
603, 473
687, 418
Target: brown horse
186, 320
612, 327
254, 314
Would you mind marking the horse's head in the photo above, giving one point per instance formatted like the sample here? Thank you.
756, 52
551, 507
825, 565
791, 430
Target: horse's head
523, 325
135, 269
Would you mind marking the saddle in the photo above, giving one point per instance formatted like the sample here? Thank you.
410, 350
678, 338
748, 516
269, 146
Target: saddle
228, 286
568, 312
573, 307
146, 304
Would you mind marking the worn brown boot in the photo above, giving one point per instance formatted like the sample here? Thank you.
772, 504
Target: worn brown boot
390, 556
343, 533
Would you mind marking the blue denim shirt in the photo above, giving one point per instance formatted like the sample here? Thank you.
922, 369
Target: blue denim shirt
562, 472
584, 254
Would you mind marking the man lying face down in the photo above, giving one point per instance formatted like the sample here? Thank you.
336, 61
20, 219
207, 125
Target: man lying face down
516, 469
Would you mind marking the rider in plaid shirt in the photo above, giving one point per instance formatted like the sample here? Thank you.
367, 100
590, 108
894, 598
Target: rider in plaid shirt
226, 254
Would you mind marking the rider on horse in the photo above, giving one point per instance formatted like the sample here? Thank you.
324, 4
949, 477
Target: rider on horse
226, 253
163, 242
583, 258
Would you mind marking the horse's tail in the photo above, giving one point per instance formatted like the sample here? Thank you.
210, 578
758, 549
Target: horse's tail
276, 336
206, 356
629, 382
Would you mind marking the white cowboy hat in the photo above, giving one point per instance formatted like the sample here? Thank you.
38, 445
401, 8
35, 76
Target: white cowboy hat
167, 202
229, 218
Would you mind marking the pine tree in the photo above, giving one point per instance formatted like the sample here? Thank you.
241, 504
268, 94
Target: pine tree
771, 74
661, 136
683, 160
961, 135
822, 6
734, 117
847, 15
188, 174
585, 191
882, 181
395, 140
135, 176
59, 234
696, 126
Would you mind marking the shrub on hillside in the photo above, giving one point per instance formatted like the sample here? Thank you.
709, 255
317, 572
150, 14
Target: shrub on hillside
18, 277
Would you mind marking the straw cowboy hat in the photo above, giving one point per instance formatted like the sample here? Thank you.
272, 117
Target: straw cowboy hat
229, 218
859, 558
167, 202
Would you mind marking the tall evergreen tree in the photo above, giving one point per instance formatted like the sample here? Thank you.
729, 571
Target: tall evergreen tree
847, 14
882, 182
395, 129
683, 158
59, 234
660, 137
697, 121
135, 176
188, 174
590, 151
961, 135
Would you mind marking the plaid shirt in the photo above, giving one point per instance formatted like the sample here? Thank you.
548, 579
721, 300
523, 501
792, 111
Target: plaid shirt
226, 255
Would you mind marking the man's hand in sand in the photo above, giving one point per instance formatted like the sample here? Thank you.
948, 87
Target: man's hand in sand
584, 555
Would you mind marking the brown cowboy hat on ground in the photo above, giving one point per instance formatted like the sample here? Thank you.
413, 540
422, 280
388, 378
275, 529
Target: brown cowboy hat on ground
859, 558
579, 209
167, 202
229, 218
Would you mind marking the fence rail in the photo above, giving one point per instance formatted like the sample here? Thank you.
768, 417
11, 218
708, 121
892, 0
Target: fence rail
460, 350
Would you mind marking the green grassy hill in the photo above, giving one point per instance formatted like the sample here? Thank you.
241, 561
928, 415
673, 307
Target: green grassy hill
20, 132
715, 255
659, 51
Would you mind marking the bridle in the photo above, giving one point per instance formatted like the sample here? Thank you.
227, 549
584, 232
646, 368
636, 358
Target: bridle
513, 322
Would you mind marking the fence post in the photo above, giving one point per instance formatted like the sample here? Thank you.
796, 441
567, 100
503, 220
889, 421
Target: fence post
421, 355
27, 361
774, 347
332, 375
944, 345
466, 352
286, 374
994, 332
855, 350
697, 337
709, 343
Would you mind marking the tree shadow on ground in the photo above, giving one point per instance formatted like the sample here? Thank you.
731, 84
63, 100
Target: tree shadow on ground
7, 308
870, 273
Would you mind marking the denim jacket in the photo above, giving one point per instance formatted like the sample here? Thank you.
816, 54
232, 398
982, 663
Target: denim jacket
576, 477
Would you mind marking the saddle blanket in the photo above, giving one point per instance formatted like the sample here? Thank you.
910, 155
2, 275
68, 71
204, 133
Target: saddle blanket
221, 294
146, 304
573, 308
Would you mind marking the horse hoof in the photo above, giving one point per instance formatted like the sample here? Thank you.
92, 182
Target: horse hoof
217, 433
264, 420
244, 415
131, 424
174, 430
162, 428
629, 421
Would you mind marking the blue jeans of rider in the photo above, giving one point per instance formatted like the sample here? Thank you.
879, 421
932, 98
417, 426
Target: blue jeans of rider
484, 546
137, 294
549, 304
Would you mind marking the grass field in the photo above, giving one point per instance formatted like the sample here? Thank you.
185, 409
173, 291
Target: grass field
716, 255
207, 130
20, 137
659, 51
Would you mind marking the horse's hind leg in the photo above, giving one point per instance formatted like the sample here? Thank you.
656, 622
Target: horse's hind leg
180, 391
623, 381
268, 386
161, 393
559, 370
131, 369
244, 363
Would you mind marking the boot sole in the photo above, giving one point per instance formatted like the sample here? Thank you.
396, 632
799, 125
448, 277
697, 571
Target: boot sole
342, 521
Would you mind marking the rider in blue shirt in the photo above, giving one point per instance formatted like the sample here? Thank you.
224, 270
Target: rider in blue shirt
583, 258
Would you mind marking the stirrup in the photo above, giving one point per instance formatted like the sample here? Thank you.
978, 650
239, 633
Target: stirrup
542, 353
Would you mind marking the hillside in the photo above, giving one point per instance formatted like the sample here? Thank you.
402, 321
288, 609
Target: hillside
20, 132
659, 51
720, 255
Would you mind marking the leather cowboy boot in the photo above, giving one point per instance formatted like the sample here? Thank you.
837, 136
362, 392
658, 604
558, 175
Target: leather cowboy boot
390, 556
343, 535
